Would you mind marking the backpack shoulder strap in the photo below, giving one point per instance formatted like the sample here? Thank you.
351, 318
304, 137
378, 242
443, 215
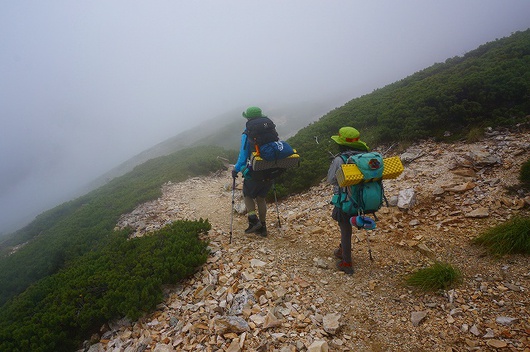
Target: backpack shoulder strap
346, 189
344, 158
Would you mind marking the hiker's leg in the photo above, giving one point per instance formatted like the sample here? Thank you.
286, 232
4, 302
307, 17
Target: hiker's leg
254, 190
249, 205
344, 250
253, 221
345, 239
248, 198
262, 209
338, 216
262, 212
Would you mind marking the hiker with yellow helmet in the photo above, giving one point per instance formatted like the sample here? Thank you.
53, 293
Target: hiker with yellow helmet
349, 143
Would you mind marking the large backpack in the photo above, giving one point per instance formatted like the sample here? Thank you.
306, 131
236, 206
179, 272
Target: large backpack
366, 196
259, 131
263, 138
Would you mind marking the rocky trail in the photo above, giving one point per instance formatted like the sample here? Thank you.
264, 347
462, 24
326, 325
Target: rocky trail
283, 293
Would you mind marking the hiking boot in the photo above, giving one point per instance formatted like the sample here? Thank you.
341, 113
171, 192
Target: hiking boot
253, 224
345, 266
262, 231
338, 252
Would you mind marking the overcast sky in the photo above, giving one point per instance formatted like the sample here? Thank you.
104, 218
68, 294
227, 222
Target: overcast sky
85, 85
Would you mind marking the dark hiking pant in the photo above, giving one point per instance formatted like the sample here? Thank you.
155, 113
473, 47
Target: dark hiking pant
346, 232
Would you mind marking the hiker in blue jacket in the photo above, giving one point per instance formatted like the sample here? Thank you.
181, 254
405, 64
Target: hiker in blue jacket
349, 144
254, 191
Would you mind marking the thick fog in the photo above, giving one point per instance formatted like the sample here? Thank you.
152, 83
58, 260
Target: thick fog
85, 85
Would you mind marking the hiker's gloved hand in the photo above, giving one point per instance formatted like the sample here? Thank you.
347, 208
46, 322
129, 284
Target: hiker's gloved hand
234, 173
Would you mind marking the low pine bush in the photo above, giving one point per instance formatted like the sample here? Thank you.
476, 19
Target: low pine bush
524, 174
124, 278
476, 134
438, 276
509, 238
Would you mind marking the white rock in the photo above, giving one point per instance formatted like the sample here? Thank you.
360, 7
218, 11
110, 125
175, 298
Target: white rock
271, 321
410, 155
257, 319
163, 348
474, 330
234, 346
318, 346
331, 323
506, 320
417, 317
257, 263
406, 198
489, 333
478, 213
414, 222
231, 324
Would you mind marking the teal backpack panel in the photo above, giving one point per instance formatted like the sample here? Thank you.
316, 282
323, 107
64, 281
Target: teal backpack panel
370, 164
365, 197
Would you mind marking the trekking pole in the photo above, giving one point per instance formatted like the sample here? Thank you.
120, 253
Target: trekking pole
369, 249
276, 202
389, 148
367, 224
233, 204
330, 153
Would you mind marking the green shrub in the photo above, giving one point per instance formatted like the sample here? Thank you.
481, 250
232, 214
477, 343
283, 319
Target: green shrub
436, 277
476, 134
524, 174
486, 87
124, 278
64, 233
509, 238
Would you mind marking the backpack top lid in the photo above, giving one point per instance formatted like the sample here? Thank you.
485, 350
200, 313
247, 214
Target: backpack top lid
370, 164
261, 130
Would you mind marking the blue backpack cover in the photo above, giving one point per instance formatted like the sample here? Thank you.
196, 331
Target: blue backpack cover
275, 150
367, 196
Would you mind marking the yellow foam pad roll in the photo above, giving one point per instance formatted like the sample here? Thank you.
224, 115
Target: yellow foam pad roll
393, 167
259, 163
349, 174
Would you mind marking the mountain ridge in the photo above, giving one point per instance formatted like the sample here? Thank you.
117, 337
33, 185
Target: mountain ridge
289, 117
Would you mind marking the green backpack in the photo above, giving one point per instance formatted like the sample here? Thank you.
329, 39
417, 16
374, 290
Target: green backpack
367, 196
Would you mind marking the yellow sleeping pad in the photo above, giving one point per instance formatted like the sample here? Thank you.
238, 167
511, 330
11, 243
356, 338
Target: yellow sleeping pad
349, 174
259, 164
392, 167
